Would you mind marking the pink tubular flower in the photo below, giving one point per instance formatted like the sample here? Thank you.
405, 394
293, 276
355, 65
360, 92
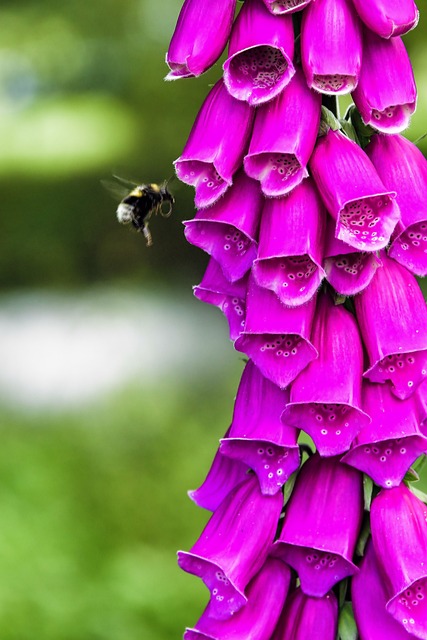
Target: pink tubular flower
234, 545
291, 245
331, 46
386, 448
216, 145
276, 338
229, 229
257, 435
322, 523
305, 617
369, 599
266, 595
325, 399
348, 270
399, 533
386, 101
388, 18
278, 156
200, 36
392, 317
259, 63
228, 296
403, 168
364, 210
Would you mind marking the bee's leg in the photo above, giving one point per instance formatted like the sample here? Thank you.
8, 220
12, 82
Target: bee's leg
147, 235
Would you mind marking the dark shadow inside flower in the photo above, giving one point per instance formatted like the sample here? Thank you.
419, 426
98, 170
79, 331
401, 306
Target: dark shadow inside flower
410, 248
294, 279
278, 173
350, 273
409, 607
405, 371
367, 223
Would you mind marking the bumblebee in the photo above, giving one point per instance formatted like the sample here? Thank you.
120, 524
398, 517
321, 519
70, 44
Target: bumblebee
139, 204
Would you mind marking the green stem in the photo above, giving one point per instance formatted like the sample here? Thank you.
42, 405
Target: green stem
332, 103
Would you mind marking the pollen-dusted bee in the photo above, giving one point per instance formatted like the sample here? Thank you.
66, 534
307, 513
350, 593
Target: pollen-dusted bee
140, 202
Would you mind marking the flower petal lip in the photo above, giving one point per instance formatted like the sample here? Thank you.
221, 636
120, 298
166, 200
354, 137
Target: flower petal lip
386, 102
234, 545
259, 63
364, 210
266, 595
387, 447
331, 46
279, 7
322, 523
306, 617
276, 337
399, 534
257, 435
290, 251
228, 230
392, 317
200, 37
369, 599
325, 398
216, 145
278, 156
388, 19
402, 166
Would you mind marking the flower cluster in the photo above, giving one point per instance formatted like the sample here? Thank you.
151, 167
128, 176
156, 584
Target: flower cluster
299, 211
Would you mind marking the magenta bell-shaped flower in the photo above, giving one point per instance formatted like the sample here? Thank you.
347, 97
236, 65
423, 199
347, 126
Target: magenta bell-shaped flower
216, 145
399, 533
325, 398
331, 46
259, 63
403, 168
200, 36
364, 210
234, 545
225, 474
392, 317
291, 245
279, 7
347, 270
386, 448
283, 138
257, 435
229, 229
304, 617
369, 600
387, 100
321, 526
420, 397
228, 296
388, 18
276, 338
266, 594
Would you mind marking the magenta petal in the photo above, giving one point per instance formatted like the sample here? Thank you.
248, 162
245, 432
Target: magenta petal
325, 399
331, 46
388, 100
234, 545
228, 230
266, 594
388, 18
386, 448
308, 618
259, 63
228, 296
291, 245
257, 436
420, 397
200, 36
278, 155
322, 522
399, 533
216, 145
392, 317
276, 337
223, 476
369, 599
364, 210
403, 168
279, 7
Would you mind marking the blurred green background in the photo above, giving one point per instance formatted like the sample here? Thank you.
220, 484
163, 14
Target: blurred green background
115, 384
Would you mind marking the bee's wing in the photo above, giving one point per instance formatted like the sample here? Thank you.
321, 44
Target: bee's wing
118, 187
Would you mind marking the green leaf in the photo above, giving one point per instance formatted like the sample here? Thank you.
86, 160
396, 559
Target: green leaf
342, 592
347, 629
418, 493
363, 536
289, 486
349, 131
368, 487
328, 118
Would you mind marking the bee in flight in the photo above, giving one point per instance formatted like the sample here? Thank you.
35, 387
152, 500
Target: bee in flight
139, 202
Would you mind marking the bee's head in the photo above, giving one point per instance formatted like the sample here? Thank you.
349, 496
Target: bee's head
166, 194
